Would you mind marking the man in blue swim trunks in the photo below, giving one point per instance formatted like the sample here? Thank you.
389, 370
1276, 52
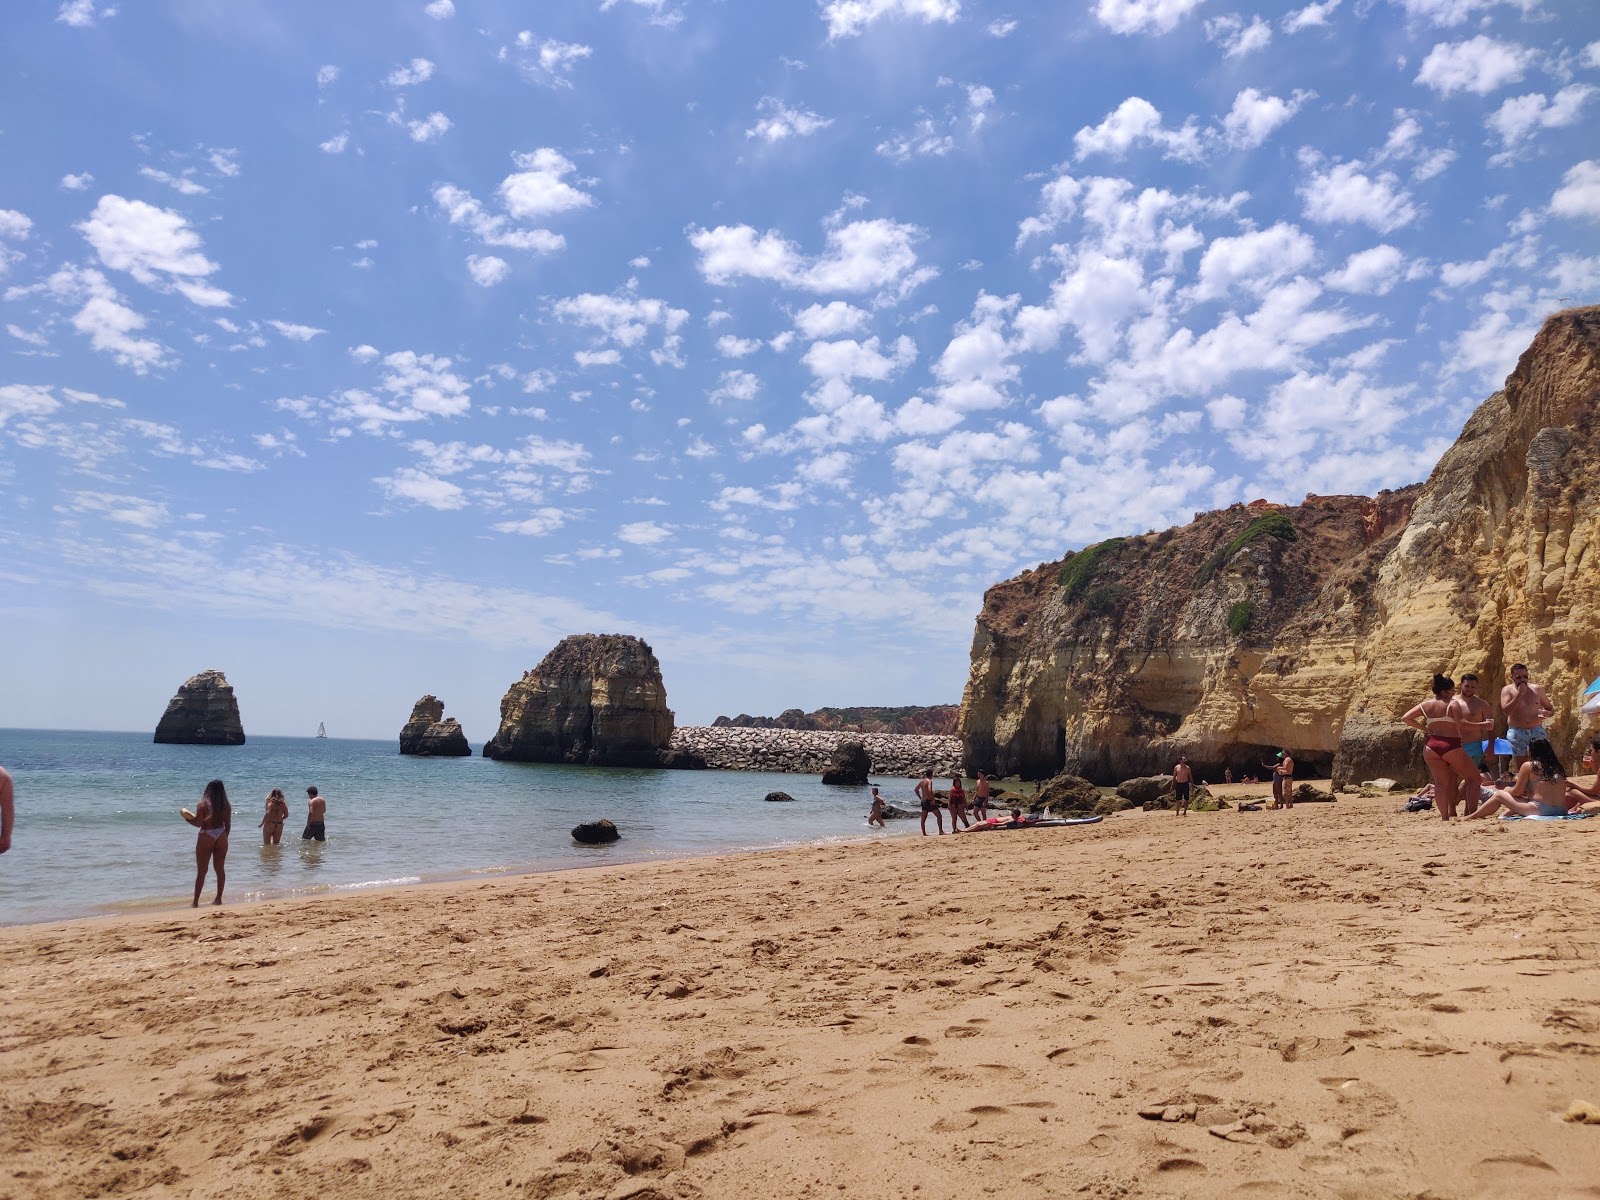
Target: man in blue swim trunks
1525, 707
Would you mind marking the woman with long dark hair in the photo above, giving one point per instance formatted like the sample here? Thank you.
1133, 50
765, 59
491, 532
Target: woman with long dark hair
213, 817
1540, 790
1452, 770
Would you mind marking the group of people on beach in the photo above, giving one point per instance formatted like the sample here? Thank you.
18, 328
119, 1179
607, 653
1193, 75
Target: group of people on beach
1459, 727
213, 818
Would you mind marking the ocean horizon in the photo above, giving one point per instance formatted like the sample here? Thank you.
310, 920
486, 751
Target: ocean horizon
98, 830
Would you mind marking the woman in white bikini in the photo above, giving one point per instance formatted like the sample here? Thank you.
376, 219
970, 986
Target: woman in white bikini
213, 817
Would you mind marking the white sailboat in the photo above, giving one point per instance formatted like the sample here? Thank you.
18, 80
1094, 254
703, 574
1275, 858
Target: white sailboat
322, 730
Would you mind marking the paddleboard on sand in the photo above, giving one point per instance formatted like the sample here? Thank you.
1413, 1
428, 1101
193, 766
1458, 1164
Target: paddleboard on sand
994, 823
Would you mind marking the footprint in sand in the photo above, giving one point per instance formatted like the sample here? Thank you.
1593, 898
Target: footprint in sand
1523, 1176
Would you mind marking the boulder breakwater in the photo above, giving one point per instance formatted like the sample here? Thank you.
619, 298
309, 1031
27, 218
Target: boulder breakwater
808, 751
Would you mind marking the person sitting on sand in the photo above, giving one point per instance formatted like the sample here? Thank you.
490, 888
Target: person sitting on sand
277, 813
1591, 762
875, 817
958, 804
980, 797
213, 817
930, 803
1540, 790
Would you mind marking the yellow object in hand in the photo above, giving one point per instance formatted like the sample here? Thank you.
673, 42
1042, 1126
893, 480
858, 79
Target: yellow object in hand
187, 815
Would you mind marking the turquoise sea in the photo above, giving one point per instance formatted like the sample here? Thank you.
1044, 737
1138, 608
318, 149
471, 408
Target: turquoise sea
98, 831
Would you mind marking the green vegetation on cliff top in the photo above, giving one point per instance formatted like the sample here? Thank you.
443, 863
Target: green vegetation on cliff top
1272, 524
1078, 570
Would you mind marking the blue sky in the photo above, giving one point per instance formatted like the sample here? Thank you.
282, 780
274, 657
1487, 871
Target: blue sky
361, 351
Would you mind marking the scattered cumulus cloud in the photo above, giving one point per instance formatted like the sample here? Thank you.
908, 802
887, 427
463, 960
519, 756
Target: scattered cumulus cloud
1143, 16
546, 61
155, 246
81, 14
440, 10
418, 70
539, 187
487, 270
76, 183
1344, 193
1312, 16
429, 128
1480, 66
1579, 193
336, 144
296, 333
779, 122
849, 18
861, 256
1236, 37
1519, 117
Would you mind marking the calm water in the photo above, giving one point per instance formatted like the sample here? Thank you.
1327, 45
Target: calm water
98, 829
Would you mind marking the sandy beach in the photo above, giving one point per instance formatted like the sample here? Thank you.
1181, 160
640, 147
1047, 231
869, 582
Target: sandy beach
1334, 1001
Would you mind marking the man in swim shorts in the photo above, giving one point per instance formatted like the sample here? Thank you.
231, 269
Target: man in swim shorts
929, 803
1525, 707
1182, 786
316, 810
1473, 716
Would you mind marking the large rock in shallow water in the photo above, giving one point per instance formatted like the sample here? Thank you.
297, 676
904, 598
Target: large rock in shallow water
429, 734
203, 713
596, 699
595, 833
850, 764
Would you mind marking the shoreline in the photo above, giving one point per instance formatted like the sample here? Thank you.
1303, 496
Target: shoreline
1324, 987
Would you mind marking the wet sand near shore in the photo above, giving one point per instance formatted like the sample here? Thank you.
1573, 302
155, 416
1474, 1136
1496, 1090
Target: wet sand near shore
1337, 1001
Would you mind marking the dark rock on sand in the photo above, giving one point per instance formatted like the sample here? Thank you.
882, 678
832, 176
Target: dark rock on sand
203, 713
1146, 789
596, 699
430, 734
850, 764
595, 833
1066, 793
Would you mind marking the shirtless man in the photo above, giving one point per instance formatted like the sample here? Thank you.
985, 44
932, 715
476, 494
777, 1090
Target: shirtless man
316, 810
1182, 786
1473, 718
8, 809
980, 797
1525, 708
929, 804
1283, 781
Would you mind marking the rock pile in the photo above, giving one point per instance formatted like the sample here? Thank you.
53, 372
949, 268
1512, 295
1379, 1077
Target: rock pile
805, 751
429, 734
850, 764
203, 713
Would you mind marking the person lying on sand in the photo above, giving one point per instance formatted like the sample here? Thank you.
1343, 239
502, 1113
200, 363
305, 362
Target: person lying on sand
1541, 789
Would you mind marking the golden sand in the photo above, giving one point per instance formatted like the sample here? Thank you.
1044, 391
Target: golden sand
1337, 1001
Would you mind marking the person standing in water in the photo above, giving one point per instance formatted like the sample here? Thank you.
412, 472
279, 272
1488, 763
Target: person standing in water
213, 817
316, 812
875, 817
930, 803
8, 809
277, 813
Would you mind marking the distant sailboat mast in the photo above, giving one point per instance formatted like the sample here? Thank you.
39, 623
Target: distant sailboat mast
322, 730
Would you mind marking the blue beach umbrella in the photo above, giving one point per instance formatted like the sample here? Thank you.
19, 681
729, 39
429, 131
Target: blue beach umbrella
1593, 689
1501, 746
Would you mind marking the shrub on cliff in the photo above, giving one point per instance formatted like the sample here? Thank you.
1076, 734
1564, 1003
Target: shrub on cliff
1078, 570
1272, 524
1239, 617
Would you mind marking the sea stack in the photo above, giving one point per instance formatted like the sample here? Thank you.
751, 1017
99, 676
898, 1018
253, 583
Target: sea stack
596, 699
430, 734
203, 713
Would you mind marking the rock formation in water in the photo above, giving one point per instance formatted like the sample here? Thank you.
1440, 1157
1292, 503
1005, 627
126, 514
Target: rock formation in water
932, 719
596, 699
430, 734
849, 764
1313, 627
596, 833
203, 713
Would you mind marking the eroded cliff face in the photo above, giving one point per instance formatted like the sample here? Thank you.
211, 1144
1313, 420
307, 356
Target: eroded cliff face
596, 699
1313, 627
430, 734
203, 713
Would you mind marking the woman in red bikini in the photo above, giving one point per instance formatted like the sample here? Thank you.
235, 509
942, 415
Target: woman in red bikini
1446, 761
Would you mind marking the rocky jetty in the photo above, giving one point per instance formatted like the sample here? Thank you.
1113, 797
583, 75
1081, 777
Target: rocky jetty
1312, 627
808, 752
596, 699
430, 734
937, 718
850, 764
203, 713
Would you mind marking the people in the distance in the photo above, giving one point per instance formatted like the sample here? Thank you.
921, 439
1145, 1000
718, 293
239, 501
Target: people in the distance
316, 814
929, 802
213, 817
277, 813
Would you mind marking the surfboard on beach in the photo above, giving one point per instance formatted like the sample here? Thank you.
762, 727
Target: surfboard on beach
994, 823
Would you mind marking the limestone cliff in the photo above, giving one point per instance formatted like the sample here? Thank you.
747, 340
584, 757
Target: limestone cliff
203, 713
430, 734
1315, 626
596, 699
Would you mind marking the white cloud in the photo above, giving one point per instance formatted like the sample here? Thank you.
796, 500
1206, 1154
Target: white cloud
125, 510
780, 122
25, 400
850, 359
81, 14
1343, 194
108, 323
296, 333
1479, 66
1255, 116
1368, 272
335, 145
1579, 193
736, 385
597, 358
493, 229
14, 227
622, 319
327, 75
543, 521
848, 18
643, 533
364, 353
829, 320
440, 10
1236, 38
1591, 54
1312, 16
861, 256
1453, 12
430, 128
1136, 121
1002, 27
151, 243
1143, 16
729, 346
1518, 117
77, 183
548, 61
420, 70
181, 184
487, 270
539, 187
661, 11
1253, 261
418, 487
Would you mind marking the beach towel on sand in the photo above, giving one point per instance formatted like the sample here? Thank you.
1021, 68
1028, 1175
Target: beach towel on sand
1563, 817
